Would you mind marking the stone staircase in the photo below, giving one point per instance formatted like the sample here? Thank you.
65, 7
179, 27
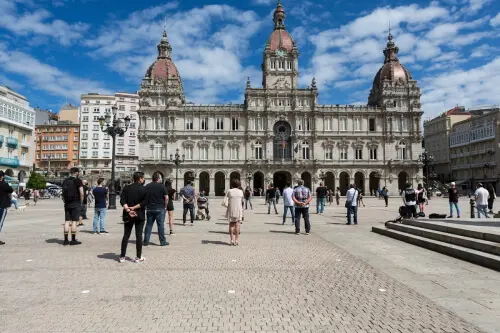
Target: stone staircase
481, 247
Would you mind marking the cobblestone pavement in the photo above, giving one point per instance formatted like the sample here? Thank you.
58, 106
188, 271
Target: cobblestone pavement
274, 281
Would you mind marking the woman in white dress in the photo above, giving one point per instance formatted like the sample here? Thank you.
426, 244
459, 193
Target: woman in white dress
234, 211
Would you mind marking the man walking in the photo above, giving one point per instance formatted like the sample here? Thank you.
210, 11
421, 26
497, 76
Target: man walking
248, 197
321, 193
481, 195
101, 198
5, 191
271, 199
133, 198
156, 204
301, 197
288, 203
73, 195
188, 197
351, 204
453, 200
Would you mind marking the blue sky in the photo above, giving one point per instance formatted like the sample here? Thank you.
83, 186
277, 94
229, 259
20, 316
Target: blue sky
54, 50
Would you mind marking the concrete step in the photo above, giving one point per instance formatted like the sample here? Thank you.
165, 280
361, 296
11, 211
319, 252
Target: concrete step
471, 243
476, 257
454, 229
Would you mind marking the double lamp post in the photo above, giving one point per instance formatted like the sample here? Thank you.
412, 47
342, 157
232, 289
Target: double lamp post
113, 126
427, 159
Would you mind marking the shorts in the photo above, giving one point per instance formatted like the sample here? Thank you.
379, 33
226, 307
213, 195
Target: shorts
72, 213
421, 201
170, 206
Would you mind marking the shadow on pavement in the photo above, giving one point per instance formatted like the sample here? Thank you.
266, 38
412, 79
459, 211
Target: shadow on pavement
221, 223
111, 256
337, 223
282, 232
219, 232
86, 231
55, 241
273, 223
214, 242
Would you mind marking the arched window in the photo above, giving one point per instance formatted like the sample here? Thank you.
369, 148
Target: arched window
305, 150
401, 153
258, 150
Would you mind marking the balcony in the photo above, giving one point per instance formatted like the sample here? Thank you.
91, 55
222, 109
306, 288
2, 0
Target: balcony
1, 140
12, 142
11, 162
25, 144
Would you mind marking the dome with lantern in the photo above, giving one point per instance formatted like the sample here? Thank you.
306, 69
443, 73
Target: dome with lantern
163, 69
280, 39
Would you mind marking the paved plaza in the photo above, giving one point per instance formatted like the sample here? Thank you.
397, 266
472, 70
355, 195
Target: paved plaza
338, 279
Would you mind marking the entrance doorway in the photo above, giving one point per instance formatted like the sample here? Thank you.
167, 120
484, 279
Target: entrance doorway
220, 184
344, 182
258, 181
205, 182
306, 177
188, 177
330, 181
403, 179
281, 178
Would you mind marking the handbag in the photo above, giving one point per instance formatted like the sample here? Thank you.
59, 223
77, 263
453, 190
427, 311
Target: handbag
225, 202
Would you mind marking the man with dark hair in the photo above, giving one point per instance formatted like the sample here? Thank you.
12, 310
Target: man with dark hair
72, 194
321, 193
188, 197
288, 203
83, 210
156, 204
301, 197
101, 197
271, 199
351, 203
170, 205
410, 199
133, 200
5, 192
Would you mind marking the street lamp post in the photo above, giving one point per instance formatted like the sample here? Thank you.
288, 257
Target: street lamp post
113, 126
177, 161
322, 176
249, 179
426, 158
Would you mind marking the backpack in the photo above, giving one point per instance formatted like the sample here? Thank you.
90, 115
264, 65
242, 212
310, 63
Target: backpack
69, 191
247, 192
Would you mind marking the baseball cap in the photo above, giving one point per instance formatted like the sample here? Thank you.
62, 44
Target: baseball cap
452, 183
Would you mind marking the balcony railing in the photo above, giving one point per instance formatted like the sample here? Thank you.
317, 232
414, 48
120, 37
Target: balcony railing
12, 142
7, 161
1, 140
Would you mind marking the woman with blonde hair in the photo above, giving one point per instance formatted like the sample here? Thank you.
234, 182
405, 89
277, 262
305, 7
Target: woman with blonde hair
234, 211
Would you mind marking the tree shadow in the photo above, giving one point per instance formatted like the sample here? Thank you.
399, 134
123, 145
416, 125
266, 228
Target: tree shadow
110, 256
282, 232
55, 241
214, 242
219, 232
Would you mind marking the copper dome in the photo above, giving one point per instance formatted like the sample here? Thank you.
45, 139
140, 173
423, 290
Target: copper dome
163, 68
392, 69
280, 39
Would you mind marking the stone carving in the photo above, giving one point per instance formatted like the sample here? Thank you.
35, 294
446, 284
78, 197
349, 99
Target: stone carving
328, 144
234, 143
204, 143
219, 143
343, 143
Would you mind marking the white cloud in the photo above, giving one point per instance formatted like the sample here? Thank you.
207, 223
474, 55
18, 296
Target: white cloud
483, 51
495, 21
350, 83
476, 5
264, 2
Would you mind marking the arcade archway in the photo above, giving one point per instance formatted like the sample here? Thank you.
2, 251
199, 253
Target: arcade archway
344, 182
374, 182
359, 181
234, 175
330, 181
403, 179
188, 177
258, 181
306, 177
204, 182
220, 184
281, 178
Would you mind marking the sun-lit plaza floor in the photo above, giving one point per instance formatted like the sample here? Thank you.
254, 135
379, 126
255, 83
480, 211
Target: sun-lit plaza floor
338, 279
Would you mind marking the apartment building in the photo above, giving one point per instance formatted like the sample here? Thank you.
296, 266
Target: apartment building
96, 146
57, 148
17, 123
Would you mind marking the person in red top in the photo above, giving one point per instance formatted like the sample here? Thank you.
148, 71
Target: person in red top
453, 200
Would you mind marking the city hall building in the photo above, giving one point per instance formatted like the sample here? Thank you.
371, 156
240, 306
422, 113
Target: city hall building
281, 134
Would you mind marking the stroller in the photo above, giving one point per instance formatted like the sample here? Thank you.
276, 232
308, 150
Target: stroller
202, 203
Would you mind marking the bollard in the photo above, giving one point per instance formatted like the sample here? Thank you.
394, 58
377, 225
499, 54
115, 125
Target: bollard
472, 206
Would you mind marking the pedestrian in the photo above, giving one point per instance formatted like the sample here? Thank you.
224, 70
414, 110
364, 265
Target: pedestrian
301, 197
330, 197
453, 200
101, 195
73, 195
351, 203
421, 198
188, 195
271, 199
248, 197
337, 196
27, 196
410, 199
133, 200
360, 198
83, 209
278, 194
385, 194
321, 193
288, 203
170, 205
36, 196
156, 205
14, 201
5, 203
491, 199
481, 196
234, 211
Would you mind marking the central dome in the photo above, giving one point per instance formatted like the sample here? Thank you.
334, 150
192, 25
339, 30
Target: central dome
163, 68
280, 38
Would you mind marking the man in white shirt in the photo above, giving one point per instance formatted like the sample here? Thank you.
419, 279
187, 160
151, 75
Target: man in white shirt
288, 201
482, 197
352, 204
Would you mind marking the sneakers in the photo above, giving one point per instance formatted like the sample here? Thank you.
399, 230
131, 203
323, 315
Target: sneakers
104, 232
75, 242
122, 260
307, 234
139, 260
164, 243
66, 242
145, 243
2, 243
172, 233
297, 234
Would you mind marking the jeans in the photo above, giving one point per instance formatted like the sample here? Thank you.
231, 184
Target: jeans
99, 216
320, 205
292, 212
248, 201
304, 211
456, 207
482, 209
269, 202
386, 199
127, 230
15, 203
3, 214
159, 217
352, 210
187, 207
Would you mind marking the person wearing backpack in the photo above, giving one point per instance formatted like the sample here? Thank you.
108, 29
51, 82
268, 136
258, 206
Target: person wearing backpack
72, 193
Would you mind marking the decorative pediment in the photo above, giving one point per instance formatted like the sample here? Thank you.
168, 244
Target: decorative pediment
219, 143
328, 143
373, 143
171, 137
143, 137
281, 117
358, 143
204, 143
234, 143
188, 143
144, 103
343, 143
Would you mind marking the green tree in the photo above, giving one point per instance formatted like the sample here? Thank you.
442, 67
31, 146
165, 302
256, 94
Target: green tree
36, 181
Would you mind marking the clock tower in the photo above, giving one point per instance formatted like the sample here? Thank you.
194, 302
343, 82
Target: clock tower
280, 65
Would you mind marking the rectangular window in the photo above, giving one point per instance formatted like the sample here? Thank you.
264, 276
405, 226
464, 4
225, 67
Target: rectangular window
95, 136
235, 151
343, 124
357, 124
75, 147
289, 65
234, 124
373, 153
95, 153
131, 142
204, 124
132, 125
120, 150
189, 123
131, 151
371, 124
95, 145
219, 124
133, 108
132, 134
85, 136
95, 128
120, 142
85, 118
273, 64
85, 127
307, 122
359, 153
343, 153
204, 153
189, 153
121, 107
329, 154
85, 109
328, 124
96, 118
107, 145
96, 110
259, 153
219, 153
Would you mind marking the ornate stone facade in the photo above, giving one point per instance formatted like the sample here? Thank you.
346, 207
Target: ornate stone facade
281, 134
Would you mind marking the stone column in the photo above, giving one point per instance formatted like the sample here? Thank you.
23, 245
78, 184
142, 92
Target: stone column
367, 186
226, 184
212, 186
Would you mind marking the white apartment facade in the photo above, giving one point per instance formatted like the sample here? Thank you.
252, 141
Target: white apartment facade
96, 146
17, 125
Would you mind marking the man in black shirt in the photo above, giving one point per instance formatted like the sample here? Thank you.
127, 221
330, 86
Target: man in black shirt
271, 199
321, 193
133, 200
73, 201
453, 200
156, 203
5, 192
83, 211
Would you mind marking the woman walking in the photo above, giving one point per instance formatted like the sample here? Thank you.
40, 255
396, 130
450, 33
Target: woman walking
337, 195
421, 198
491, 199
170, 205
234, 211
